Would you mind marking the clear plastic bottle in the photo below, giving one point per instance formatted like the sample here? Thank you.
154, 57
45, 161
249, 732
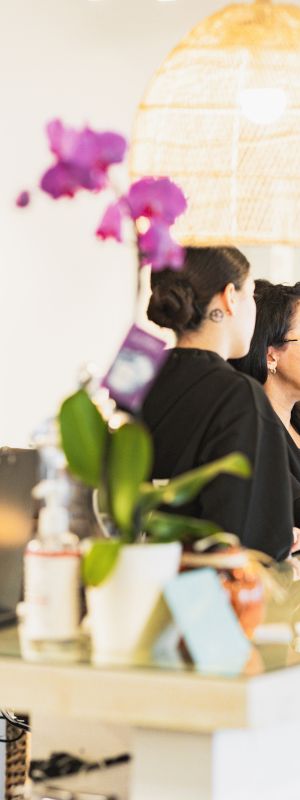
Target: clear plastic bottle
50, 627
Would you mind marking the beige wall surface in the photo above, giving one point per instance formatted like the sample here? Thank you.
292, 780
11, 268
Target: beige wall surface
65, 298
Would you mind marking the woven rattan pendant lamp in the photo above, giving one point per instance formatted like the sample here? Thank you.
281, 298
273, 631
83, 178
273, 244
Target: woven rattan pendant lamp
222, 117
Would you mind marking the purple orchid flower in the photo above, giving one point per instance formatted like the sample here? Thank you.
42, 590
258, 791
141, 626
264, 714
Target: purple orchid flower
159, 249
156, 198
161, 201
83, 159
110, 226
61, 140
65, 179
86, 148
23, 199
62, 180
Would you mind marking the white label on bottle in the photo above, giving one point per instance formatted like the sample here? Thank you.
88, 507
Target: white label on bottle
52, 595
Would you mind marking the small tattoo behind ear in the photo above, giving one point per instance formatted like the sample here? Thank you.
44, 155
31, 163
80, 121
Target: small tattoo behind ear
216, 315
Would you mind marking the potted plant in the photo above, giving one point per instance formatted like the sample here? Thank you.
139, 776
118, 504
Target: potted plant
125, 570
125, 573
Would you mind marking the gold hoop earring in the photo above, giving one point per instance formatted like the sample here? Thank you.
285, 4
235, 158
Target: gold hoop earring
272, 370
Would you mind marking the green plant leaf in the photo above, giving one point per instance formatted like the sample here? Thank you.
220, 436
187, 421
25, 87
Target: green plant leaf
83, 435
99, 561
129, 464
173, 527
184, 488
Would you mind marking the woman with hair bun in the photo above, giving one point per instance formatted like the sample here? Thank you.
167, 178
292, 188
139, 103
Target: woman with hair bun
200, 409
274, 360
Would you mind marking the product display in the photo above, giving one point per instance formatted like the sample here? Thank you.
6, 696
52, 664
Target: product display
51, 578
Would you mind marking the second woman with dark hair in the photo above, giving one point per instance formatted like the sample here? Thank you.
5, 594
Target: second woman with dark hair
274, 360
200, 408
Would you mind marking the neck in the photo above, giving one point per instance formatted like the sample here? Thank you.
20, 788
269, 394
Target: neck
281, 399
211, 337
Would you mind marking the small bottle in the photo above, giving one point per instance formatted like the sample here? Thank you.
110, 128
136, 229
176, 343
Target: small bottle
50, 627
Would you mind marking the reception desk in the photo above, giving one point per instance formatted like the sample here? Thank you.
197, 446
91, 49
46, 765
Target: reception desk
194, 737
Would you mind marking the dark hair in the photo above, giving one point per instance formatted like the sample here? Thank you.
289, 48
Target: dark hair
276, 305
179, 299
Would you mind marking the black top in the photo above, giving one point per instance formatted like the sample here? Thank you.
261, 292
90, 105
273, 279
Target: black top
294, 462
200, 409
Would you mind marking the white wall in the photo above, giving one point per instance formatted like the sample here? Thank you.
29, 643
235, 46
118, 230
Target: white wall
65, 298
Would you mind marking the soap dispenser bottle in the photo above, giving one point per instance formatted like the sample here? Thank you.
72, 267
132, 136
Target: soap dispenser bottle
52, 581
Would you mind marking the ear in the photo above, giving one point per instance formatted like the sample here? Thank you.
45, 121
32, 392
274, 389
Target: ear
272, 358
229, 299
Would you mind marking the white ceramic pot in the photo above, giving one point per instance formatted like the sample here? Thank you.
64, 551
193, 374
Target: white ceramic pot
120, 608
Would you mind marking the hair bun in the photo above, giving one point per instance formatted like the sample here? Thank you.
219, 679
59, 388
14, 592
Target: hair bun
172, 307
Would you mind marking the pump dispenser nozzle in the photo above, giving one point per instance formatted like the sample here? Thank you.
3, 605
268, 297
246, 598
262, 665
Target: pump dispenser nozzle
53, 518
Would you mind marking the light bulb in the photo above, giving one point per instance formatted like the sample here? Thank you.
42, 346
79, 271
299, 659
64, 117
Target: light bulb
262, 106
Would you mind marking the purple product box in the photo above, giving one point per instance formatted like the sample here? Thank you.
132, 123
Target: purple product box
133, 371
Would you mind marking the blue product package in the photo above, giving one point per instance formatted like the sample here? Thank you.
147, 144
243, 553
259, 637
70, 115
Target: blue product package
202, 611
133, 371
